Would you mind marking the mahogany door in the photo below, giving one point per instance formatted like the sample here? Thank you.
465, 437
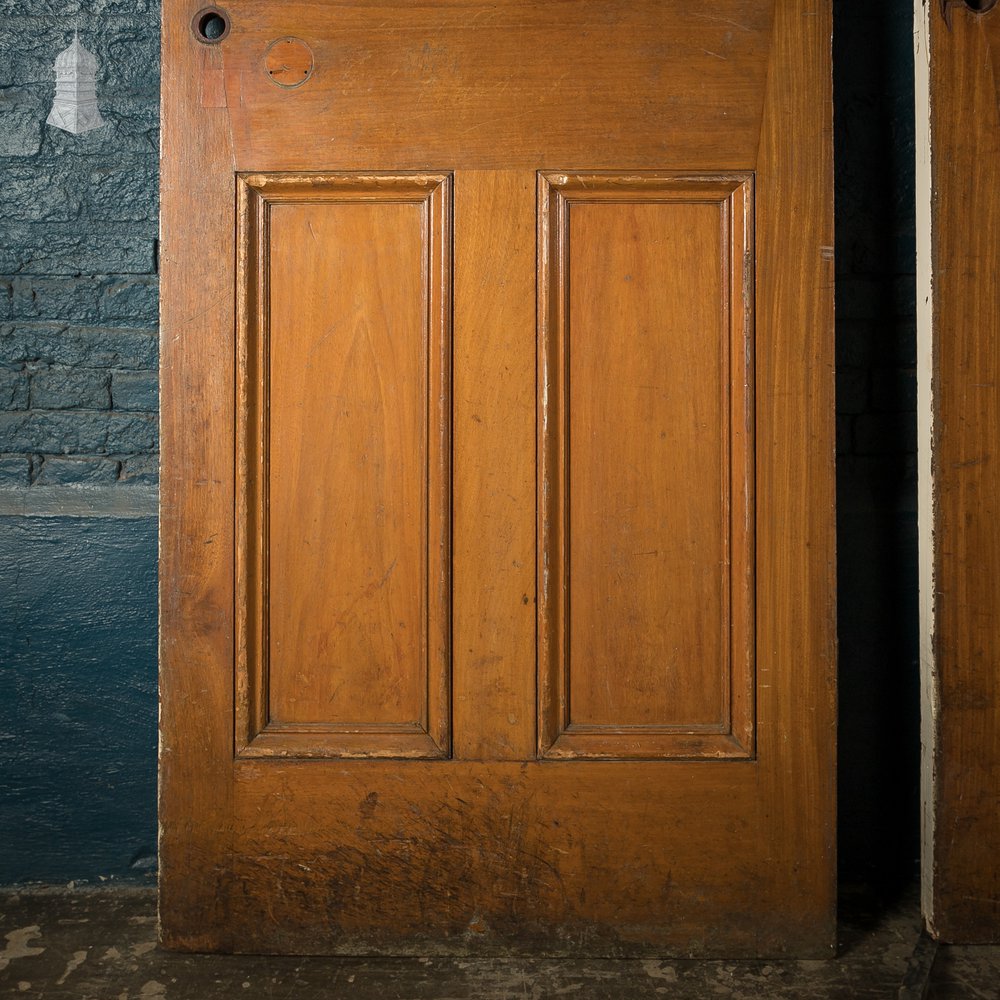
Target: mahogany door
497, 521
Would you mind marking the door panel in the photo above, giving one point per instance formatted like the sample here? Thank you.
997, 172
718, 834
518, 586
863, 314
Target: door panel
497, 479
345, 339
646, 466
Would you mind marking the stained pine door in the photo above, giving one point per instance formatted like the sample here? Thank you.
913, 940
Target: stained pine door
497, 556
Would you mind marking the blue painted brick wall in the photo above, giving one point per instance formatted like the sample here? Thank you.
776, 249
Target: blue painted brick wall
78, 284
77, 699
78, 449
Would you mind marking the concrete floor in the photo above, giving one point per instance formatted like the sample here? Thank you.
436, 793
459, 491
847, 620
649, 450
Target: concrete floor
100, 944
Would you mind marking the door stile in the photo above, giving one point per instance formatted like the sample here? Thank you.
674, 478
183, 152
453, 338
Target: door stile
795, 434
197, 540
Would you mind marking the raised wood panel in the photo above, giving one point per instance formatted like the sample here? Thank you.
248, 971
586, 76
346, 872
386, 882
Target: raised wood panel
646, 474
413, 85
344, 465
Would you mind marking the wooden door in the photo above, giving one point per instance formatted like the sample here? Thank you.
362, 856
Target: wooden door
497, 520
958, 121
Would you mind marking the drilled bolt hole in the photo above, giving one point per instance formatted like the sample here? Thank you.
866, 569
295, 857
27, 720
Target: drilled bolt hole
211, 25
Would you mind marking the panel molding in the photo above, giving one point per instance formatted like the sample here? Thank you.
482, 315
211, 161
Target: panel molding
732, 736
257, 735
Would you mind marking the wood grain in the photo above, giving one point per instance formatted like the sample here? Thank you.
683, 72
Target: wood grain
965, 160
646, 625
345, 491
494, 526
595, 83
490, 858
493, 849
796, 540
196, 502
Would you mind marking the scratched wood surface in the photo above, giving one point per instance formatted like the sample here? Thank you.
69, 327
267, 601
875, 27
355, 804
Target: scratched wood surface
965, 129
297, 816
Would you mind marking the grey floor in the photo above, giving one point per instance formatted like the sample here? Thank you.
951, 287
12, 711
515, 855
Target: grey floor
101, 943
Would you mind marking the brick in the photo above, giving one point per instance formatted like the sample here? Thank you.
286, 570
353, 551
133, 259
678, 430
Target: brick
141, 470
57, 299
136, 301
15, 470
64, 8
137, 127
123, 195
861, 298
78, 227
904, 295
32, 99
39, 39
135, 391
845, 433
907, 501
866, 342
140, 112
132, 128
39, 192
885, 434
131, 111
903, 343
61, 388
58, 470
20, 133
13, 389
30, 62
894, 390
85, 300
852, 390
856, 342
38, 250
130, 55
126, 47
132, 432
69, 432
903, 244
888, 482
87, 346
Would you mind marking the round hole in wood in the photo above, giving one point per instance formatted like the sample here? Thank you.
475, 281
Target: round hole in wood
980, 6
210, 25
